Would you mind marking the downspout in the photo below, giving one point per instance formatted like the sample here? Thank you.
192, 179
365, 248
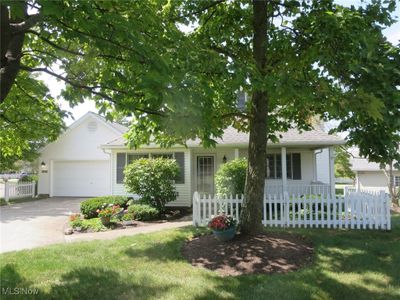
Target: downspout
315, 163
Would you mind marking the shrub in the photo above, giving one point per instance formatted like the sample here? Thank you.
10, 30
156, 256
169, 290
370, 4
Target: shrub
152, 179
89, 207
127, 217
143, 212
231, 177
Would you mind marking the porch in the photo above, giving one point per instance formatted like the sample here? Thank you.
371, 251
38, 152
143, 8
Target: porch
296, 170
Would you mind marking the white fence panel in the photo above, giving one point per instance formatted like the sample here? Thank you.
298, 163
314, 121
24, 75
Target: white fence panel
356, 210
18, 190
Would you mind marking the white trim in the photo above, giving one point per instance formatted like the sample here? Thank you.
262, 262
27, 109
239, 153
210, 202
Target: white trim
236, 151
332, 171
317, 144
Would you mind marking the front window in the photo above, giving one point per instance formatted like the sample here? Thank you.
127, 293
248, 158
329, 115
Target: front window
274, 166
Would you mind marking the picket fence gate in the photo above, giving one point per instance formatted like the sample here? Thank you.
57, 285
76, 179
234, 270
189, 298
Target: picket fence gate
361, 210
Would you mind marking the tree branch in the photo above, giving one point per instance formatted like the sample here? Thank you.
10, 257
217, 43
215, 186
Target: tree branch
91, 89
54, 44
31, 21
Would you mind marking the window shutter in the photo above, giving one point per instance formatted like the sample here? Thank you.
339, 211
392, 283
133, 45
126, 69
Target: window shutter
121, 160
278, 166
296, 166
270, 166
180, 159
289, 166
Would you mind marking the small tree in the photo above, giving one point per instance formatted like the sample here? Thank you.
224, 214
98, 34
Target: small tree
342, 163
152, 179
231, 177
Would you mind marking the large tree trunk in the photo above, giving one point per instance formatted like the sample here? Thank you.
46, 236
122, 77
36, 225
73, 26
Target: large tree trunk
251, 215
12, 33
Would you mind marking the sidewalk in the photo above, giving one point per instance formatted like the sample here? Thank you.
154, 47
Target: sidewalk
113, 234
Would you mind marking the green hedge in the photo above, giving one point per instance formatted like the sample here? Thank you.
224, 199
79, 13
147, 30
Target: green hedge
143, 212
231, 177
89, 206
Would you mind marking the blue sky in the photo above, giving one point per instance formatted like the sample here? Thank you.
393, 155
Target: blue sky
392, 34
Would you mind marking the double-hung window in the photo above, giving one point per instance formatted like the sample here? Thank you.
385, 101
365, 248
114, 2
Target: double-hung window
274, 166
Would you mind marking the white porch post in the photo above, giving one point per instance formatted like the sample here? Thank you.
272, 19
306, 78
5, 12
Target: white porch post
236, 153
284, 172
357, 182
332, 171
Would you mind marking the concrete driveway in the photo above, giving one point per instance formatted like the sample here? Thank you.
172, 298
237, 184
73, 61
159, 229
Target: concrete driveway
34, 224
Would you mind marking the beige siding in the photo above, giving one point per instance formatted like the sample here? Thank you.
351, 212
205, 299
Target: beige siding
184, 197
374, 180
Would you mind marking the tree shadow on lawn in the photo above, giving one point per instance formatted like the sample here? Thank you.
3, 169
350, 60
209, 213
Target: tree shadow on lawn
348, 265
86, 283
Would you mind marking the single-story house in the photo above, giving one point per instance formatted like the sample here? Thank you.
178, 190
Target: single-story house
88, 160
370, 176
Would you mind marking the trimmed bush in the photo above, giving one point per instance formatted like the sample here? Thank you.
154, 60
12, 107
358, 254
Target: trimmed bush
142, 212
231, 177
89, 207
152, 179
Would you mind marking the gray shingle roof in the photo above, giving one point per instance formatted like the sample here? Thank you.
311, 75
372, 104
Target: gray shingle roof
231, 136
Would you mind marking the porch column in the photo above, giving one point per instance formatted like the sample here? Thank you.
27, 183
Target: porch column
357, 182
332, 171
236, 153
284, 172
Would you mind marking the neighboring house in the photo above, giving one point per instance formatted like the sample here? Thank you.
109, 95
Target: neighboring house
89, 159
370, 176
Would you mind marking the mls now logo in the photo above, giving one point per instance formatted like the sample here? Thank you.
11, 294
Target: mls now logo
19, 291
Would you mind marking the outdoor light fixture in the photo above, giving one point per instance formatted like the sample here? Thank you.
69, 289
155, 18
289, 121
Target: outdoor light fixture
43, 167
224, 159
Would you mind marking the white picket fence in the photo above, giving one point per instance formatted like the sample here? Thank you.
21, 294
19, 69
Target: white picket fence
363, 210
12, 190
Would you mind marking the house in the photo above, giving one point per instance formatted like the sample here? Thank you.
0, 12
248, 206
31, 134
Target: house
88, 159
370, 176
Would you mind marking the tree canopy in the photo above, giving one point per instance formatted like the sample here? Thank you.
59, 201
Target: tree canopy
175, 68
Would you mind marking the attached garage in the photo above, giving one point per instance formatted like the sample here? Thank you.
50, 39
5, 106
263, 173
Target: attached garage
80, 178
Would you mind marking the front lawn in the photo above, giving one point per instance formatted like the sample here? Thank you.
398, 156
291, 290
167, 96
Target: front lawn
348, 265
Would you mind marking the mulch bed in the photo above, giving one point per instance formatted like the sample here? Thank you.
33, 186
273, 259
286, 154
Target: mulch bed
264, 253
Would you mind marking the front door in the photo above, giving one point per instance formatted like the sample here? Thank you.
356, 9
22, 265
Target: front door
205, 174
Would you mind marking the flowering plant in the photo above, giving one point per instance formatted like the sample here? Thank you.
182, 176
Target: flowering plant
108, 211
74, 217
221, 222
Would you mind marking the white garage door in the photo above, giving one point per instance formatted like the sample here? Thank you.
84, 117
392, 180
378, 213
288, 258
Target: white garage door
81, 178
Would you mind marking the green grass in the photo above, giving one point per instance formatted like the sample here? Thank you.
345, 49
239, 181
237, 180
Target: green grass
347, 265
24, 199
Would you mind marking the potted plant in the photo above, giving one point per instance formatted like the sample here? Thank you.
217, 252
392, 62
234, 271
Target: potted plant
223, 227
105, 214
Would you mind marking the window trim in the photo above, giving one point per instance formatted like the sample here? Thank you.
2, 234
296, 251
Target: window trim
290, 161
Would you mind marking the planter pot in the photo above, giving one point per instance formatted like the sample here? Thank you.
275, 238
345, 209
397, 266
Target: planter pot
225, 235
127, 223
105, 220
